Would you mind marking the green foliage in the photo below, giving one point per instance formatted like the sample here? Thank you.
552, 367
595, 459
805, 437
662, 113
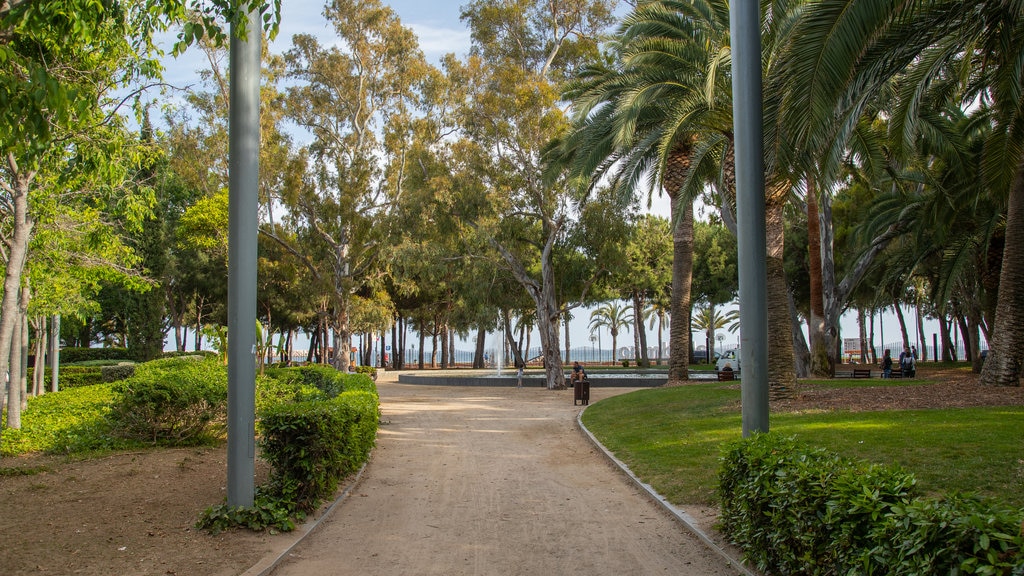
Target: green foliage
117, 372
313, 445
64, 422
327, 379
370, 371
267, 513
75, 355
798, 510
73, 376
175, 401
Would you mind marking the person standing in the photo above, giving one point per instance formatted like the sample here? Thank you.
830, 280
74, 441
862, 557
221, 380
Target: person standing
887, 364
907, 366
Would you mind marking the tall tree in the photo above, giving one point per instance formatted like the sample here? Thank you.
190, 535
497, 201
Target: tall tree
522, 50
356, 99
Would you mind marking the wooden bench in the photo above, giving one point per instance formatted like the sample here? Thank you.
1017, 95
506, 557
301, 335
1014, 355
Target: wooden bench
861, 373
726, 376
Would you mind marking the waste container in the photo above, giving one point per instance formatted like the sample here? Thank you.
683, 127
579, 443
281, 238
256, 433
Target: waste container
581, 392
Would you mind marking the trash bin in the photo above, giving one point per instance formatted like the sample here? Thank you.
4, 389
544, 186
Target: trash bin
581, 392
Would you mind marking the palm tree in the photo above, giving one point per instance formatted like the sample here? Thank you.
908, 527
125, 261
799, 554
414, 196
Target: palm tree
845, 54
631, 126
709, 318
613, 317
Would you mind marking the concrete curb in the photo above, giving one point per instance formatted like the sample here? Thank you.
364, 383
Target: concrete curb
267, 564
680, 515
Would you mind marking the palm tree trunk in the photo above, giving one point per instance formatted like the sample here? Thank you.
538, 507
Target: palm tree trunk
682, 278
1006, 349
781, 364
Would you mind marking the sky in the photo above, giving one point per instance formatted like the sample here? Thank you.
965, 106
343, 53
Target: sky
440, 31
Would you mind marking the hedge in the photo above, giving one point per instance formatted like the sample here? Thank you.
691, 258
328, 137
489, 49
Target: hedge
798, 510
325, 378
311, 446
176, 401
72, 376
73, 355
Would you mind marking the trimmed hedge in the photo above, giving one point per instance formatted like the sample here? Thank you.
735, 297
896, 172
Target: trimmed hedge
177, 402
317, 425
311, 446
73, 355
72, 376
797, 510
325, 378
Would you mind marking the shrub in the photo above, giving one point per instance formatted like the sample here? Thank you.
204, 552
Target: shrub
117, 372
73, 355
796, 510
171, 402
370, 371
64, 422
326, 379
72, 376
312, 445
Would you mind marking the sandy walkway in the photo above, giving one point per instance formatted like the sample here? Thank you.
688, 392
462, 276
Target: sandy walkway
493, 481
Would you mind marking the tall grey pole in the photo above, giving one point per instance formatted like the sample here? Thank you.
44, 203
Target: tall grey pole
243, 179
745, 28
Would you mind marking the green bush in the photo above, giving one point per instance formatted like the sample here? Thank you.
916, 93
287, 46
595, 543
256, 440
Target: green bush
65, 422
72, 376
121, 371
74, 355
370, 371
311, 446
796, 510
189, 353
177, 401
327, 379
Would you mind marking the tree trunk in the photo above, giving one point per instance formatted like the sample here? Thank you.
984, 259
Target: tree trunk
423, 340
17, 252
820, 363
23, 361
862, 335
781, 362
565, 319
921, 336
54, 352
682, 280
903, 324
801, 354
478, 355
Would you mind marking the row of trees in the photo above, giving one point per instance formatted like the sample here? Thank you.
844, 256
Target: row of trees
452, 198
903, 114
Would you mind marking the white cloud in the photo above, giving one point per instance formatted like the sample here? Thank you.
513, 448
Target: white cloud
436, 41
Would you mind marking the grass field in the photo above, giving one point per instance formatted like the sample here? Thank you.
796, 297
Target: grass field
671, 438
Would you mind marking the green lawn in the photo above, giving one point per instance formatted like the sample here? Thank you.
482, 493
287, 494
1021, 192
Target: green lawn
670, 437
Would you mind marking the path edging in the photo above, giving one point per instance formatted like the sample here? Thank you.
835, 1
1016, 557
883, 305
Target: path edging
267, 564
680, 515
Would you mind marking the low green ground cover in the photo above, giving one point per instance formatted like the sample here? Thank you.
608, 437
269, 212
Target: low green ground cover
672, 437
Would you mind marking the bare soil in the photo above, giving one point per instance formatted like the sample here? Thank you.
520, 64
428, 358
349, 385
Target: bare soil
134, 513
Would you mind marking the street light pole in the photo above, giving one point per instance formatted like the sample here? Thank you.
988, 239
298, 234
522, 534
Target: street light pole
243, 183
745, 29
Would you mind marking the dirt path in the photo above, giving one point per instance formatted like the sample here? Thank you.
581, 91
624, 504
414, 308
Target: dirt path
476, 480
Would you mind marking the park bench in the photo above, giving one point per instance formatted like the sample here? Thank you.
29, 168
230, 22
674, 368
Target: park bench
726, 376
861, 373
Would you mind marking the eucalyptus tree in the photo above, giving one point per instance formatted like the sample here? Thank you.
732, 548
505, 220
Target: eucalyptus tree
355, 98
521, 51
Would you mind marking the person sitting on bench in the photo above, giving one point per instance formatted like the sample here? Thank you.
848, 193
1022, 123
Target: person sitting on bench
578, 373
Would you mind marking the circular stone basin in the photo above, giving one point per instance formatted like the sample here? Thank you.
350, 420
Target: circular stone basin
536, 378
